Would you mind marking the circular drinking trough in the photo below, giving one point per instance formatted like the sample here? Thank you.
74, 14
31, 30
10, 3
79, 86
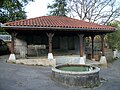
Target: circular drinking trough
76, 75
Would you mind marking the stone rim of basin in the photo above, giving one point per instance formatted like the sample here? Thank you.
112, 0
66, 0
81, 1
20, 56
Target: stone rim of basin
96, 69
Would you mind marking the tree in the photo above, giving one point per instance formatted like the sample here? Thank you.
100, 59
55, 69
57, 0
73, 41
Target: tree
98, 11
11, 10
1, 2
113, 39
58, 8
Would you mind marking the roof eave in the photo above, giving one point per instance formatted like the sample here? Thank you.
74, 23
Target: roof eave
56, 28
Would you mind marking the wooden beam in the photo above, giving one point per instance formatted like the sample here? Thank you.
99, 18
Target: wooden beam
103, 44
81, 44
12, 43
84, 44
92, 38
50, 35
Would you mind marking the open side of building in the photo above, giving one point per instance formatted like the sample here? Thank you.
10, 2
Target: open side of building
52, 35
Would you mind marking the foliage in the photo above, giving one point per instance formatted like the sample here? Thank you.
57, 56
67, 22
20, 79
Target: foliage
2, 32
58, 8
11, 10
98, 11
113, 39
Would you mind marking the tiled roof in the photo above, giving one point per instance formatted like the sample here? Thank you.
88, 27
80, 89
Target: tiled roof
58, 22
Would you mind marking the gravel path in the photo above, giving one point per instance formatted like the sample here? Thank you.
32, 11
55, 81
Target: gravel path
21, 77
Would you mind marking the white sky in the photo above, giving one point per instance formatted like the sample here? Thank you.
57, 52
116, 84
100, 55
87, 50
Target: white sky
37, 8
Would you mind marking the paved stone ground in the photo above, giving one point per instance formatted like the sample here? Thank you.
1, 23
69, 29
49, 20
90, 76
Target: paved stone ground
21, 77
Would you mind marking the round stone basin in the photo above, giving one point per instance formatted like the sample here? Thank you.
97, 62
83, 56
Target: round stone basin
76, 75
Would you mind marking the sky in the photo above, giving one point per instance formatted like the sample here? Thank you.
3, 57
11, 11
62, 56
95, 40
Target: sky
37, 8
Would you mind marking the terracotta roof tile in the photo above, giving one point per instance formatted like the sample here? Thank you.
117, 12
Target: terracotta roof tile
58, 21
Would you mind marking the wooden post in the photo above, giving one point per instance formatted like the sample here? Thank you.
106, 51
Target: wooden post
92, 37
82, 58
12, 55
12, 43
50, 35
103, 44
81, 44
50, 55
103, 58
84, 42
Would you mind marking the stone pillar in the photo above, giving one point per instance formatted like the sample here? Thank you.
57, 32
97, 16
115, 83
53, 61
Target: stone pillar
92, 37
115, 53
50, 55
12, 55
103, 58
82, 61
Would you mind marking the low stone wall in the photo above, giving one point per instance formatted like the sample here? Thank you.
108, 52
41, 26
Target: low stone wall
67, 59
37, 62
109, 56
37, 50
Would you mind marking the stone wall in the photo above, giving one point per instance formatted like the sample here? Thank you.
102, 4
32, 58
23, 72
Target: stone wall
91, 80
21, 47
67, 59
65, 43
71, 78
70, 43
